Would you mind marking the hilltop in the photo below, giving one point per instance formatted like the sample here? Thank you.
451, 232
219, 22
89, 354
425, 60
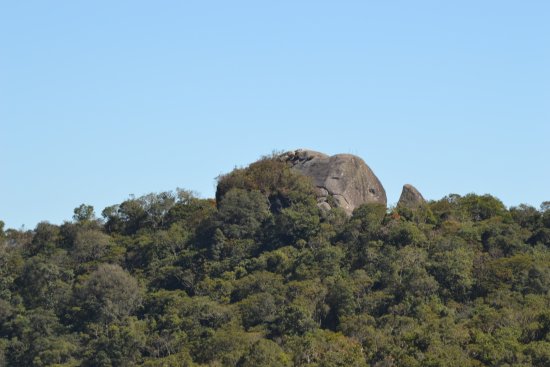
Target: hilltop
298, 261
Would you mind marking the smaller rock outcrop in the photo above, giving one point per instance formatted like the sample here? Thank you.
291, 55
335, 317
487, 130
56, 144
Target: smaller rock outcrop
410, 197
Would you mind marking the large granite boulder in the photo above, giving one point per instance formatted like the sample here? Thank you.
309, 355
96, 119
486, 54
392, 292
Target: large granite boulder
410, 197
342, 180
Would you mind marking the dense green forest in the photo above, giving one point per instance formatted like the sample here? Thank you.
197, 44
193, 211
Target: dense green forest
261, 276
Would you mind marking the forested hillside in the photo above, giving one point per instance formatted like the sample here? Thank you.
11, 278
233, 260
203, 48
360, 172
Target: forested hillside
261, 276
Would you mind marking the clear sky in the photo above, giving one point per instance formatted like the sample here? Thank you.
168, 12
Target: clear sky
102, 99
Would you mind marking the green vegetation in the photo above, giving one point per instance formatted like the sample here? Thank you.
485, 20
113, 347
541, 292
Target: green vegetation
262, 277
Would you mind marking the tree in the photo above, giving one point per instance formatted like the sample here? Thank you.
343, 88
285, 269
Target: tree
452, 266
241, 213
117, 344
2, 234
44, 283
225, 347
259, 308
189, 211
526, 216
483, 207
38, 339
281, 185
265, 352
368, 218
324, 348
297, 318
45, 240
84, 213
545, 207
90, 245
109, 294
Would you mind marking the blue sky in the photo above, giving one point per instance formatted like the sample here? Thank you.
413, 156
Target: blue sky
103, 99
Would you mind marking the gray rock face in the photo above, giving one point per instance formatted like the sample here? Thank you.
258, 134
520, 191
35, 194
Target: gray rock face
410, 197
342, 180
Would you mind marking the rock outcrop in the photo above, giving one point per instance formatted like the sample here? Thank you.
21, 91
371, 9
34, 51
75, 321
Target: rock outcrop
342, 180
410, 197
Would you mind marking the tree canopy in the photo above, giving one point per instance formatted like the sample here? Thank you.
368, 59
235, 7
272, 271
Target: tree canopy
261, 276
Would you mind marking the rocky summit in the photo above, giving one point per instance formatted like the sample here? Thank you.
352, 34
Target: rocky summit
410, 197
342, 180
